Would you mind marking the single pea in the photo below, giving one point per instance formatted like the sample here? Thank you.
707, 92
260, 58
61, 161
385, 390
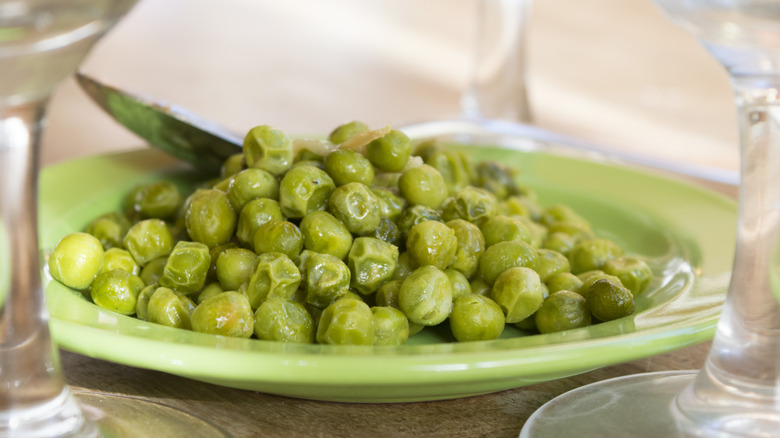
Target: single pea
455, 168
579, 231
590, 277
592, 254
327, 279
255, 213
460, 284
304, 189
209, 291
109, 229
476, 318
386, 180
371, 263
634, 273
117, 291
346, 166
432, 243
413, 216
559, 242
471, 245
519, 293
390, 205
169, 309
423, 185
232, 165
234, 267
497, 178
356, 207
153, 271
387, 295
346, 131
471, 204
76, 260
391, 152
391, 327
538, 232
160, 200
504, 255
405, 266
501, 228
214, 254
551, 263
426, 296
117, 258
388, 231
563, 281
608, 300
210, 219
323, 233
268, 149
251, 184
187, 267
279, 319
142, 301
346, 322
520, 206
561, 213
479, 286
279, 236
226, 314
275, 275
562, 310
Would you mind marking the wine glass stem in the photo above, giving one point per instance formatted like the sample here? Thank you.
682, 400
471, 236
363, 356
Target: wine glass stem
743, 368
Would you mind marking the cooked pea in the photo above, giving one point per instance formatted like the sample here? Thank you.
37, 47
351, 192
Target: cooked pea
479, 286
390, 205
559, 242
282, 320
346, 131
391, 327
268, 149
210, 219
327, 279
391, 152
432, 243
592, 254
153, 271
234, 267
405, 266
109, 229
426, 296
471, 245
255, 213
563, 281
142, 301
562, 310
454, 167
346, 322
460, 284
160, 200
502, 228
388, 231
387, 295
169, 309
590, 277
303, 190
232, 165
279, 236
519, 293
608, 300
561, 213
372, 263
413, 216
117, 258
356, 207
76, 260
497, 178
251, 184
346, 166
209, 291
551, 263
323, 233
471, 204
226, 314
423, 185
148, 240
187, 267
275, 275
634, 273
504, 255
117, 291
476, 318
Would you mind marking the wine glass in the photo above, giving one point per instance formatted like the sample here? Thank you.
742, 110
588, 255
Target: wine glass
737, 392
41, 43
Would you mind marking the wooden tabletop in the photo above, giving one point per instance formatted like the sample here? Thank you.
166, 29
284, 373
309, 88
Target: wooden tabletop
608, 71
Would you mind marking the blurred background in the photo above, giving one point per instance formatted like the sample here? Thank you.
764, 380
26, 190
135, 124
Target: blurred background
614, 72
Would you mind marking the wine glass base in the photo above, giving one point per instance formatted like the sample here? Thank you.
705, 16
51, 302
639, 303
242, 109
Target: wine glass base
635, 406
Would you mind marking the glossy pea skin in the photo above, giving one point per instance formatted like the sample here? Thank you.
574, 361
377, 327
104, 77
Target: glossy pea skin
117, 258
275, 275
471, 204
479, 286
279, 319
210, 219
355, 206
505, 255
501, 228
562, 310
578, 231
471, 245
109, 229
209, 291
405, 266
590, 277
148, 240
279, 236
423, 185
371, 263
232, 165
391, 152
117, 291
142, 301
519, 293
563, 281
476, 318
251, 184
388, 231
346, 131
323, 233
559, 242
497, 178
160, 200
387, 295
634, 273
426, 296
460, 284
347, 321
551, 263
346, 166
153, 271
327, 279
187, 267
432, 243
414, 215
560, 213
169, 309
592, 254
390, 205
255, 213
455, 168
76, 260
226, 314
303, 190
608, 300
268, 149
391, 327
234, 267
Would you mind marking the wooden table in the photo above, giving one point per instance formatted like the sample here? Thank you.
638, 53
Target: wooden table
607, 71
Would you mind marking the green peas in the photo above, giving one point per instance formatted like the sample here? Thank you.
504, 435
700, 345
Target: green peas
356, 207
504, 255
389, 232
476, 318
346, 322
608, 300
327, 279
471, 204
169, 309
323, 233
592, 254
148, 240
187, 267
304, 189
563, 281
372, 263
210, 219
117, 291
346, 131
432, 243
454, 167
275, 275
76, 260
426, 296
551, 263
117, 258
226, 314
142, 301
405, 266
634, 273
279, 236
561, 213
387, 295
251, 184
519, 293
152, 272
391, 327
497, 178
590, 277
234, 267
390, 205
255, 213
471, 245
414, 215
562, 310
209, 291
232, 165
346, 166
502, 228
268, 149
460, 284
391, 152
159, 200
109, 229
282, 320
423, 185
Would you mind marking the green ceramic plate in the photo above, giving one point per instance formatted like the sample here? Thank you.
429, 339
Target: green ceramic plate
687, 233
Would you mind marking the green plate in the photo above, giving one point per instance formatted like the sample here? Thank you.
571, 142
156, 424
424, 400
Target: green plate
686, 232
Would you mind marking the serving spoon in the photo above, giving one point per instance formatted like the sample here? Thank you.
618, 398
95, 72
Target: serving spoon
206, 145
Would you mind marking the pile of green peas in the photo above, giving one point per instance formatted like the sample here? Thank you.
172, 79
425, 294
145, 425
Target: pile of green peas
365, 238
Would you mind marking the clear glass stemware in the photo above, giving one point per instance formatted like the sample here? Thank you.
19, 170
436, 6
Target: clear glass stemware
737, 392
